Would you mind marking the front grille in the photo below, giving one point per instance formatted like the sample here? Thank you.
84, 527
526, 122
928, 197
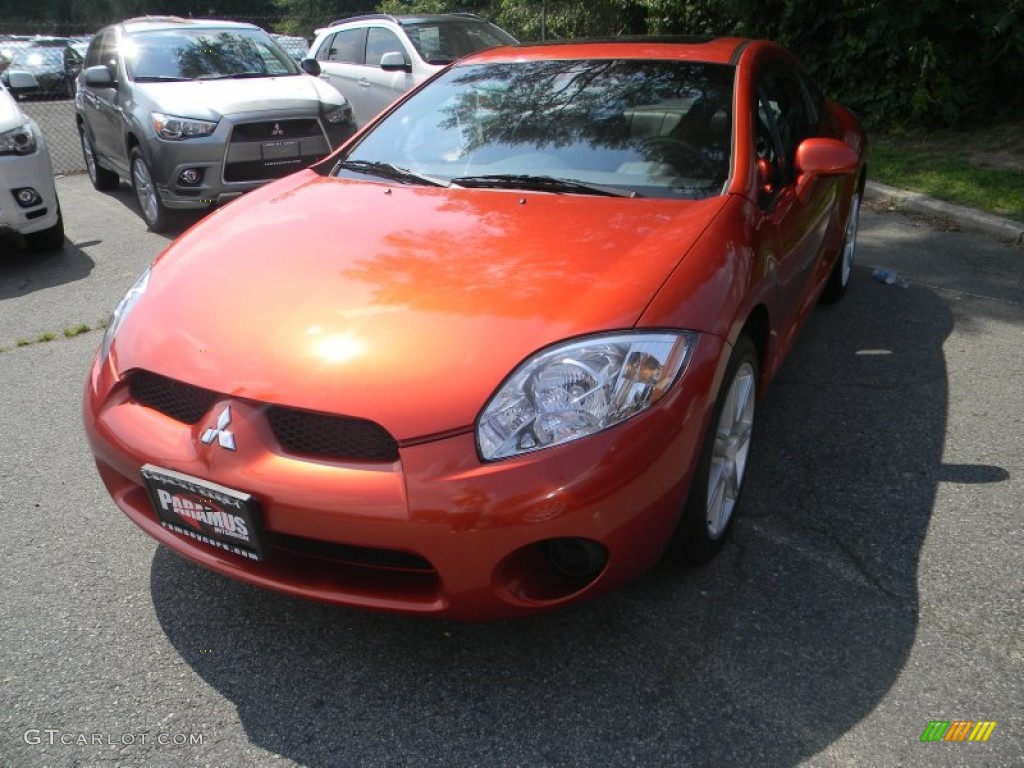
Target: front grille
307, 433
272, 149
329, 436
182, 402
273, 130
389, 559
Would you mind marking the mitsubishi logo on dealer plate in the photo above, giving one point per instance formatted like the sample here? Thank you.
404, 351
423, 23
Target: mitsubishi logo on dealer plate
278, 130
221, 433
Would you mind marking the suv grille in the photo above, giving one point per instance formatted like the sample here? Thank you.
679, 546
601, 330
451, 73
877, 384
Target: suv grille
308, 433
271, 149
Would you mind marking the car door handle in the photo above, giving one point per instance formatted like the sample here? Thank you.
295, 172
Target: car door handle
364, 83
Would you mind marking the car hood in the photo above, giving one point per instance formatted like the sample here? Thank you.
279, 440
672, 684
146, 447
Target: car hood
213, 99
11, 115
401, 304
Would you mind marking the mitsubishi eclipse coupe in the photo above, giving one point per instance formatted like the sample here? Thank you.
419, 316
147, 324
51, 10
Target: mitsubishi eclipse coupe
499, 352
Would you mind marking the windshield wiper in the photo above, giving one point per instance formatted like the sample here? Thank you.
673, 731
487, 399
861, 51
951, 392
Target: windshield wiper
160, 79
238, 76
540, 184
391, 172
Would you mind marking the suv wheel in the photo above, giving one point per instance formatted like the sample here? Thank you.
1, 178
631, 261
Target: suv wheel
157, 217
51, 239
101, 178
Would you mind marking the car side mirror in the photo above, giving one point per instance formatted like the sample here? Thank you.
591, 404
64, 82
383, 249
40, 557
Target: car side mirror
822, 157
310, 67
394, 61
99, 77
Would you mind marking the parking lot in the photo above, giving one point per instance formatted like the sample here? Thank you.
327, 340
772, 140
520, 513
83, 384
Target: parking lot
873, 583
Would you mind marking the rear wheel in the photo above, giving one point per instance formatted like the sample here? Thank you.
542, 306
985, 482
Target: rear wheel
157, 217
101, 178
715, 490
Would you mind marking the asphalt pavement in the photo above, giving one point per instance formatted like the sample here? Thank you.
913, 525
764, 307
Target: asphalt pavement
873, 584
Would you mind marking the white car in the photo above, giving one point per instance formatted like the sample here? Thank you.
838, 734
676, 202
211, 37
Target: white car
28, 198
374, 59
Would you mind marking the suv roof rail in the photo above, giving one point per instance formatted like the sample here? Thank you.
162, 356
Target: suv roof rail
404, 19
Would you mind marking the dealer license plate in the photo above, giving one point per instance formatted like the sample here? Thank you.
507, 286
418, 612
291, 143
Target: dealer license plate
280, 150
207, 512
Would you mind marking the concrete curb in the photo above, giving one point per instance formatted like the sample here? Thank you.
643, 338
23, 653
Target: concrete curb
966, 218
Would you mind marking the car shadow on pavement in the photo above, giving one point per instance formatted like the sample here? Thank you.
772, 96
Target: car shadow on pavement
765, 656
22, 271
180, 220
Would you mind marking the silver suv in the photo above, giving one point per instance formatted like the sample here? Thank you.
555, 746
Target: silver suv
196, 112
374, 59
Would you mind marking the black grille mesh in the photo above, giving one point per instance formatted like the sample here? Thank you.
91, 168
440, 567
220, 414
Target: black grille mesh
303, 432
182, 402
276, 129
321, 434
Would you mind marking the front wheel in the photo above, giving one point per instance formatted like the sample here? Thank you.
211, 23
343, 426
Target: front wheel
715, 489
157, 217
839, 279
99, 177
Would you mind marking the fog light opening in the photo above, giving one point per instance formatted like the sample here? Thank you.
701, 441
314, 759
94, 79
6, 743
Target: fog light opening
577, 557
27, 197
191, 177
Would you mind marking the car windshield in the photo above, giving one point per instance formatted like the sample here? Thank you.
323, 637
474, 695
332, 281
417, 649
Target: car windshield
646, 128
203, 54
442, 42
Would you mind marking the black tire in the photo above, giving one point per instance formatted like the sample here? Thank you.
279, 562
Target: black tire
723, 461
51, 239
839, 279
157, 217
100, 177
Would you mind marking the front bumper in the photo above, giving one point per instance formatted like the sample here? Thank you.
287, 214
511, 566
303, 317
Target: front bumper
229, 166
34, 171
436, 532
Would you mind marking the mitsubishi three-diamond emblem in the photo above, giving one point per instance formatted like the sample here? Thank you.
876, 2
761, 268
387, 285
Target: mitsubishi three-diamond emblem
278, 130
221, 433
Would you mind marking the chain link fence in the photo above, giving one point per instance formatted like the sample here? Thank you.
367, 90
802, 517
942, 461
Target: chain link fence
56, 118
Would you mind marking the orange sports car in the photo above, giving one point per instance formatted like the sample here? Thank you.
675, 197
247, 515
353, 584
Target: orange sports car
500, 351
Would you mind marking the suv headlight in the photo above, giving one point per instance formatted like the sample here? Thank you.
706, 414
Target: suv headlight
124, 306
18, 141
577, 388
337, 115
171, 127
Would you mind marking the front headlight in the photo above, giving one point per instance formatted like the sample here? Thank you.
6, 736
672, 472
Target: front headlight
18, 141
124, 306
578, 388
171, 127
337, 115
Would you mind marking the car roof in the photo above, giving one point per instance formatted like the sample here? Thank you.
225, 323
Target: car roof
713, 50
154, 23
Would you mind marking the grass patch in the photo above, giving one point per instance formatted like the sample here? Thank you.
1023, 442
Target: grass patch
22, 342
76, 330
48, 336
980, 169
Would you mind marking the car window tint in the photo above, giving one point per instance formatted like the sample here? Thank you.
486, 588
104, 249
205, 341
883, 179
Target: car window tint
660, 128
346, 47
787, 102
324, 51
444, 42
380, 41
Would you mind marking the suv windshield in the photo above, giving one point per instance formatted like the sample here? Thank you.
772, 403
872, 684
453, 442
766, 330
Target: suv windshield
650, 128
203, 54
442, 42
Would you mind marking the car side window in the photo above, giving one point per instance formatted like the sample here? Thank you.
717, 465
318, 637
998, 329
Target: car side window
380, 41
324, 51
346, 47
786, 109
